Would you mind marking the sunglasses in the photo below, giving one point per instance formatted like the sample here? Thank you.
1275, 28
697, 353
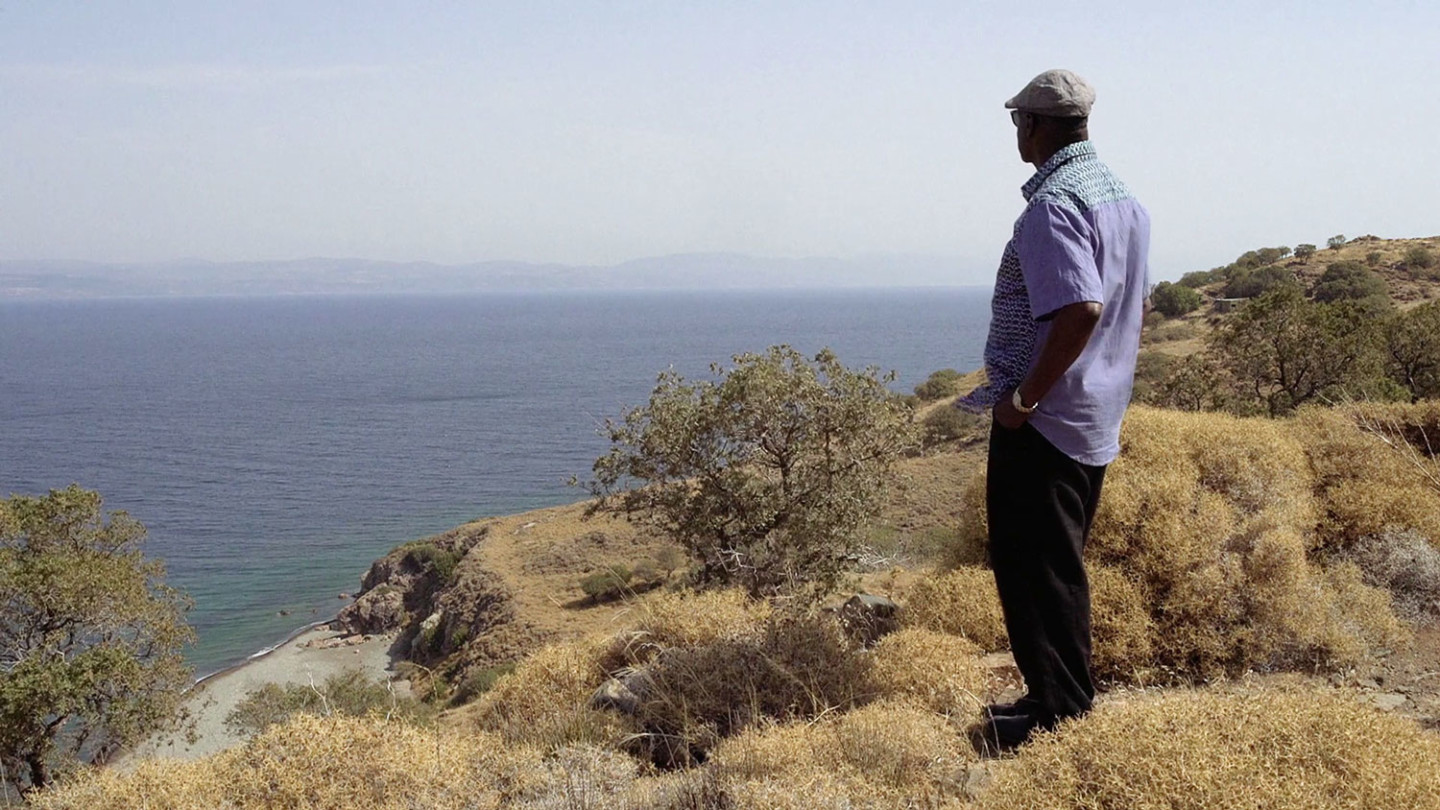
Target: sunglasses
1015, 117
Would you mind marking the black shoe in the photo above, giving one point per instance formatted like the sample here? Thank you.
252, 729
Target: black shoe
998, 734
1025, 705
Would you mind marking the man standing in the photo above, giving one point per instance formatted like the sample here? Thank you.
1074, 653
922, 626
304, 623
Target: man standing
1060, 362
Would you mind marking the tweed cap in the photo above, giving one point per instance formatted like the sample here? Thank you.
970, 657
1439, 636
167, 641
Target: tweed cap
1055, 92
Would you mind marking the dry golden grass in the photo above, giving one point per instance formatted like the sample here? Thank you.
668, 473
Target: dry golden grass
1121, 629
940, 672
891, 754
1372, 471
1211, 518
545, 701
1184, 750
682, 619
962, 602
318, 763
795, 666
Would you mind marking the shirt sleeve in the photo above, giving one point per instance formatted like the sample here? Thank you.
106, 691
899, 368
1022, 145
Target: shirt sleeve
1057, 258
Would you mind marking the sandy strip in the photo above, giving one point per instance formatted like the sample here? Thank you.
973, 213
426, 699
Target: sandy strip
314, 654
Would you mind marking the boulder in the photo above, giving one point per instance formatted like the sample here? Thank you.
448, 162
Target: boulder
866, 617
378, 611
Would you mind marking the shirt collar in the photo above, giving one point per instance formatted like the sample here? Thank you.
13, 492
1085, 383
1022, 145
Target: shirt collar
1065, 155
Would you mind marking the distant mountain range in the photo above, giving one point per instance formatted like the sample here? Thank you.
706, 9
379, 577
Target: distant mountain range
691, 271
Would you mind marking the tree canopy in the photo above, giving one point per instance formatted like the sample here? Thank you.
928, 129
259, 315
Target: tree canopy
90, 636
765, 475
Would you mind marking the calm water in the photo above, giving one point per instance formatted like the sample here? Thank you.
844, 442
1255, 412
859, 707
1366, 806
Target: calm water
275, 446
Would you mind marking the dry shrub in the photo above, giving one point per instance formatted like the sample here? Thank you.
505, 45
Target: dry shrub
794, 666
972, 535
683, 619
1373, 470
940, 672
324, 763
962, 602
545, 701
1121, 628
1200, 749
1210, 517
888, 754
1407, 564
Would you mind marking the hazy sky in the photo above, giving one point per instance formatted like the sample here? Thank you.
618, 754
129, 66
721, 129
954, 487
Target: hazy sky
597, 132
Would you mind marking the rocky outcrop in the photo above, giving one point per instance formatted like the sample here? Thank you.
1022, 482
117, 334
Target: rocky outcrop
450, 612
402, 588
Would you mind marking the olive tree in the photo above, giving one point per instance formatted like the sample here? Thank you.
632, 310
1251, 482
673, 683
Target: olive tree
90, 636
765, 474
1412, 350
1283, 350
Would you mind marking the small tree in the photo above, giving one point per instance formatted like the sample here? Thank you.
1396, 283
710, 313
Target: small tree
1412, 350
1304, 251
90, 637
766, 475
1336, 242
1283, 350
1174, 300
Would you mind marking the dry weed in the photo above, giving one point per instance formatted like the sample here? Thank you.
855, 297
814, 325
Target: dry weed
794, 666
683, 619
889, 754
962, 602
1121, 628
1300, 750
1407, 564
1374, 470
941, 672
545, 701
1211, 518
324, 763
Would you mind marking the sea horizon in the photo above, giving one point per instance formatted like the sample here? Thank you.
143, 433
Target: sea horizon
275, 446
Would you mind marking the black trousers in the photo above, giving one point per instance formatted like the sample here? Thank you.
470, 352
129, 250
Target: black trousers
1040, 504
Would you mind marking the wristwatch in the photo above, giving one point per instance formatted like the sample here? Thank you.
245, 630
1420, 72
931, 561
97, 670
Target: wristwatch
1020, 405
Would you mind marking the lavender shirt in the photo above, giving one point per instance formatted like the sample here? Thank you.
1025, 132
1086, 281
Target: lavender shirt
1082, 237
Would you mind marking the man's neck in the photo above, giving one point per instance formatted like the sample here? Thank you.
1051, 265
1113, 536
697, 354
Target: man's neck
1049, 151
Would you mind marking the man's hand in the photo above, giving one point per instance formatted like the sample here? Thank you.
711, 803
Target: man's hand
1007, 416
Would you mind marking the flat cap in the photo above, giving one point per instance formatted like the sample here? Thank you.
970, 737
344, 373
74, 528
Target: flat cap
1055, 92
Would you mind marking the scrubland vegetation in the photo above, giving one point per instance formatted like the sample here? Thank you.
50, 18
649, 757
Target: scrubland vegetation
1244, 570
1224, 546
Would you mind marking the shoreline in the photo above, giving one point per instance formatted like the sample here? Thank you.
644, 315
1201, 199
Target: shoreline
264, 651
308, 656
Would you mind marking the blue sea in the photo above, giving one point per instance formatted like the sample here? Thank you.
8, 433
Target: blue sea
275, 446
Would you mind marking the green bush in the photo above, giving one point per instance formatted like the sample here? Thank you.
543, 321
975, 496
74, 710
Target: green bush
442, 561
947, 424
1374, 258
1419, 256
610, 583
1304, 251
1336, 242
1174, 300
351, 693
1202, 278
943, 383
1348, 281
1255, 283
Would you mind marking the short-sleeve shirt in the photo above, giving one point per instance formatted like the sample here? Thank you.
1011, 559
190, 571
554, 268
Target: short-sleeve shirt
1083, 237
